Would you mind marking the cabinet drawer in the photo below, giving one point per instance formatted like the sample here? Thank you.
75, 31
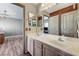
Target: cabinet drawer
48, 50
52, 51
38, 51
63, 53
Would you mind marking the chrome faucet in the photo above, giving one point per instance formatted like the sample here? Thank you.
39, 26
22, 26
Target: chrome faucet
61, 38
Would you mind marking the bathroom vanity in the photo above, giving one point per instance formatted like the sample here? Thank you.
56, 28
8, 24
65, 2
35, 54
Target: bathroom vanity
50, 45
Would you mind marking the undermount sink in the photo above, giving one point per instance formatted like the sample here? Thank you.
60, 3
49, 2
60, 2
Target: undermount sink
61, 39
39, 34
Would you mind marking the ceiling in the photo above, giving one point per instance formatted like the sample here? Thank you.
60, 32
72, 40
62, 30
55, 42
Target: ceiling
56, 7
36, 4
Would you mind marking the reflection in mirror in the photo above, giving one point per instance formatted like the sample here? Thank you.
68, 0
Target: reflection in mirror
39, 21
61, 22
66, 24
29, 22
45, 23
32, 20
39, 24
32, 23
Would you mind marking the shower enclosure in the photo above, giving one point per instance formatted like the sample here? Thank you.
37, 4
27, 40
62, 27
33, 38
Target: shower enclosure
11, 19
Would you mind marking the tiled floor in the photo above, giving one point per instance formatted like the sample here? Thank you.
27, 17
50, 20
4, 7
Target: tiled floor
13, 46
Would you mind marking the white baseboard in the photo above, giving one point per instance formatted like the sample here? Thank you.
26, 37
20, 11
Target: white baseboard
14, 36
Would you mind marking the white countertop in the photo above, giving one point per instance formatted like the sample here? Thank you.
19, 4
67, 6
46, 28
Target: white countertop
70, 45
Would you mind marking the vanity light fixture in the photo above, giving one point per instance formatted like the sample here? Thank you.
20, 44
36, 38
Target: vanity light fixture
31, 15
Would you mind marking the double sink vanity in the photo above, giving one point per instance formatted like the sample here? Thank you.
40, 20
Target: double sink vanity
52, 45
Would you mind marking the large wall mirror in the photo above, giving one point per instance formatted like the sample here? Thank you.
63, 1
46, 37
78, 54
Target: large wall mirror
65, 24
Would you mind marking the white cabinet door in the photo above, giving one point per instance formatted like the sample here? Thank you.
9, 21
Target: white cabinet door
30, 46
52, 51
48, 51
38, 48
53, 25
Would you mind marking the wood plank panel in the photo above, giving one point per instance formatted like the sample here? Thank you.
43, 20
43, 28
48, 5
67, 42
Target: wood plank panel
64, 10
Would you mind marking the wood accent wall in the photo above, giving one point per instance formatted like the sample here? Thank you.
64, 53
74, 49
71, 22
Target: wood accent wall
64, 10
